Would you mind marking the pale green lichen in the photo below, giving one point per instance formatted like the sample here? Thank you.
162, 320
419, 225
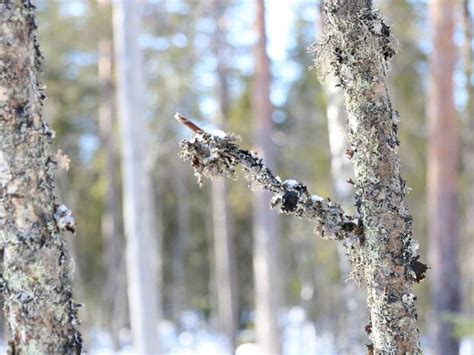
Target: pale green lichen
36, 275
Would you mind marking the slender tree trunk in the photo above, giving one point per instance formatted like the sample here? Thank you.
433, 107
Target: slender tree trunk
183, 233
224, 254
358, 45
442, 178
110, 219
36, 277
139, 213
468, 158
265, 224
354, 314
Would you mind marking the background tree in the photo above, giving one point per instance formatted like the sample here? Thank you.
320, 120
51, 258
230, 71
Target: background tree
265, 225
443, 230
36, 268
224, 253
142, 256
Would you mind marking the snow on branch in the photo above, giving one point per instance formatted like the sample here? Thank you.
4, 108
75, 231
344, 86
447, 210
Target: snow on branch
216, 153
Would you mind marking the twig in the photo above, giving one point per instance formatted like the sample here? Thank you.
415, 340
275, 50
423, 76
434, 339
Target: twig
218, 154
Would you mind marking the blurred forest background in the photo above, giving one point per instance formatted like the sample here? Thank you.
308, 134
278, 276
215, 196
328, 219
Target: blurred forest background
199, 58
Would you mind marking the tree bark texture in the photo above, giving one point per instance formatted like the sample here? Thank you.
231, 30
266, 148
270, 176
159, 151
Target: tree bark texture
358, 46
443, 233
36, 278
342, 172
265, 224
142, 256
224, 252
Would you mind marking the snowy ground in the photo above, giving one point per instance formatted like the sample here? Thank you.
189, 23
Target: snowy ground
197, 338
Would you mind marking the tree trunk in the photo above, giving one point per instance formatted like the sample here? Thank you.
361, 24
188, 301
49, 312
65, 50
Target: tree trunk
178, 248
36, 278
265, 224
357, 42
224, 254
442, 178
468, 161
354, 314
142, 240
110, 220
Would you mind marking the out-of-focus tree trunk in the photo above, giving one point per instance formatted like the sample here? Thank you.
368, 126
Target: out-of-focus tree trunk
442, 178
354, 314
183, 233
142, 256
36, 268
265, 224
468, 156
110, 220
224, 254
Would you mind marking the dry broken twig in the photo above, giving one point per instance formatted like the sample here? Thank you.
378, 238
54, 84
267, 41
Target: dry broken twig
216, 153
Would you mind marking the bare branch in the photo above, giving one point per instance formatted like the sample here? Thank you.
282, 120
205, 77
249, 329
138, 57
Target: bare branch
216, 153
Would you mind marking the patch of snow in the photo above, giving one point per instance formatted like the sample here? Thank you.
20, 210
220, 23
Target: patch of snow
217, 133
290, 183
316, 198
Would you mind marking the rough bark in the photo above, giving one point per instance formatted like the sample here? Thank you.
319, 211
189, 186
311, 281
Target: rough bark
442, 156
225, 263
113, 289
354, 315
138, 197
265, 224
36, 277
358, 45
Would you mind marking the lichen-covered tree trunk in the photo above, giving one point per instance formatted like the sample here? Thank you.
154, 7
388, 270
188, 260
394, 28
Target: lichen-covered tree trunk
36, 278
224, 253
142, 253
342, 172
442, 156
359, 46
265, 226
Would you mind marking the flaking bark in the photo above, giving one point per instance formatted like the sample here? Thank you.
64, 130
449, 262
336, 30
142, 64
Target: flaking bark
36, 278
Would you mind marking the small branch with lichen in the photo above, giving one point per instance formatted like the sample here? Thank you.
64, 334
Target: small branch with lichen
216, 153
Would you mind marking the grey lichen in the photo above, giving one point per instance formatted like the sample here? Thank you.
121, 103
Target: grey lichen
212, 155
36, 270
356, 47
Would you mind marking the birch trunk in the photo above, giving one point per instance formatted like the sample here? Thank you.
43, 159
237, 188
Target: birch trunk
359, 47
36, 275
265, 224
142, 239
224, 253
442, 178
113, 288
354, 314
